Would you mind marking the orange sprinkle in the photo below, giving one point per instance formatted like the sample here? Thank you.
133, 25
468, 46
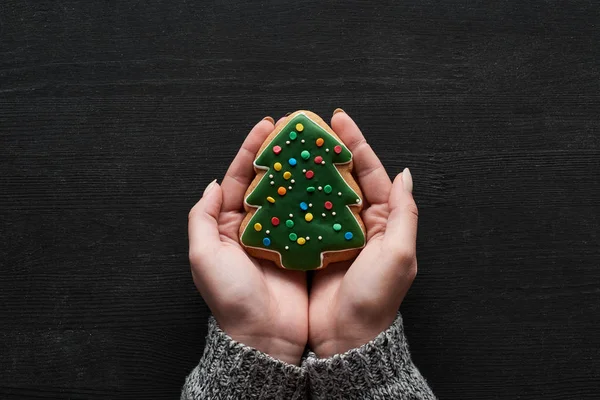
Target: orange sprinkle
320, 142
281, 191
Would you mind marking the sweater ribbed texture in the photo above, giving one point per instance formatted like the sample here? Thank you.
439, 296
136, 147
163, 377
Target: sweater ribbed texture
380, 369
231, 370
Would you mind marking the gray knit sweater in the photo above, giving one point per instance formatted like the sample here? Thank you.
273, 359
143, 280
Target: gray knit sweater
380, 369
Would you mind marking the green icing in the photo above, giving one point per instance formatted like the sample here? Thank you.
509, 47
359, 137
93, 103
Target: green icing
305, 256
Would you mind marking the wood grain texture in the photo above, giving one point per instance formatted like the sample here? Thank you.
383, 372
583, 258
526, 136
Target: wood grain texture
114, 116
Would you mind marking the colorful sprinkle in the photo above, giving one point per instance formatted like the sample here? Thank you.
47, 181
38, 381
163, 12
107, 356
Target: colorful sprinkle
276, 149
292, 161
303, 206
328, 205
320, 142
270, 200
257, 227
287, 175
305, 154
281, 191
337, 227
337, 149
348, 235
308, 217
310, 189
309, 174
299, 127
289, 223
277, 166
275, 221
293, 135
301, 241
327, 189
293, 237
318, 160
267, 241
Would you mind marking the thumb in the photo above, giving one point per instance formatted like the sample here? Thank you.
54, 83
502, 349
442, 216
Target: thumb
203, 224
401, 231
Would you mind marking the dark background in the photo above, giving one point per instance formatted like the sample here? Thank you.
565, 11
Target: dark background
115, 116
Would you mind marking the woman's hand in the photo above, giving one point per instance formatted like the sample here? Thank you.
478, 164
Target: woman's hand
254, 302
350, 304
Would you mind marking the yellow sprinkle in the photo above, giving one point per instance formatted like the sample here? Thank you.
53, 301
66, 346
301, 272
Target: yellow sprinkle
257, 227
270, 199
308, 217
299, 127
277, 166
287, 175
301, 241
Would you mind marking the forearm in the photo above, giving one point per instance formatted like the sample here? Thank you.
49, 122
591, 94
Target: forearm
380, 369
232, 370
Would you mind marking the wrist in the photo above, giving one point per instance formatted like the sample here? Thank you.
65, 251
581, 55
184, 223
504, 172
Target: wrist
277, 348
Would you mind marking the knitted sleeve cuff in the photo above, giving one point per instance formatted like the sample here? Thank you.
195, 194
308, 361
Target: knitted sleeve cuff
232, 370
380, 369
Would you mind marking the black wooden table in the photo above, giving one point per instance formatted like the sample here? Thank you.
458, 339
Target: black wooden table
114, 116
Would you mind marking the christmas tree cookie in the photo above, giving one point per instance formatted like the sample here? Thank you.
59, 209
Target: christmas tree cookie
303, 205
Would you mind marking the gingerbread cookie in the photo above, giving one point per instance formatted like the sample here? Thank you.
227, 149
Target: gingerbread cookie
303, 205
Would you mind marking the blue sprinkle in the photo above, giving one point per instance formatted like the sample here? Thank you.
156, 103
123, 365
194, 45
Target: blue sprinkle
267, 241
348, 235
292, 161
303, 206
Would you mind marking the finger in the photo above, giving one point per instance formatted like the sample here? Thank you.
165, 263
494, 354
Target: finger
241, 172
401, 232
372, 177
203, 224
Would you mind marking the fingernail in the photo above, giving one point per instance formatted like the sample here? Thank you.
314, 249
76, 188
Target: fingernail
209, 187
270, 119
338, 110
407, 180
287, 114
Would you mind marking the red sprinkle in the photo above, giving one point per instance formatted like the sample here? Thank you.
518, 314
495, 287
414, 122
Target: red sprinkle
309, 174
337, 149
318, 159
275, 221
276, 149
328, 205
